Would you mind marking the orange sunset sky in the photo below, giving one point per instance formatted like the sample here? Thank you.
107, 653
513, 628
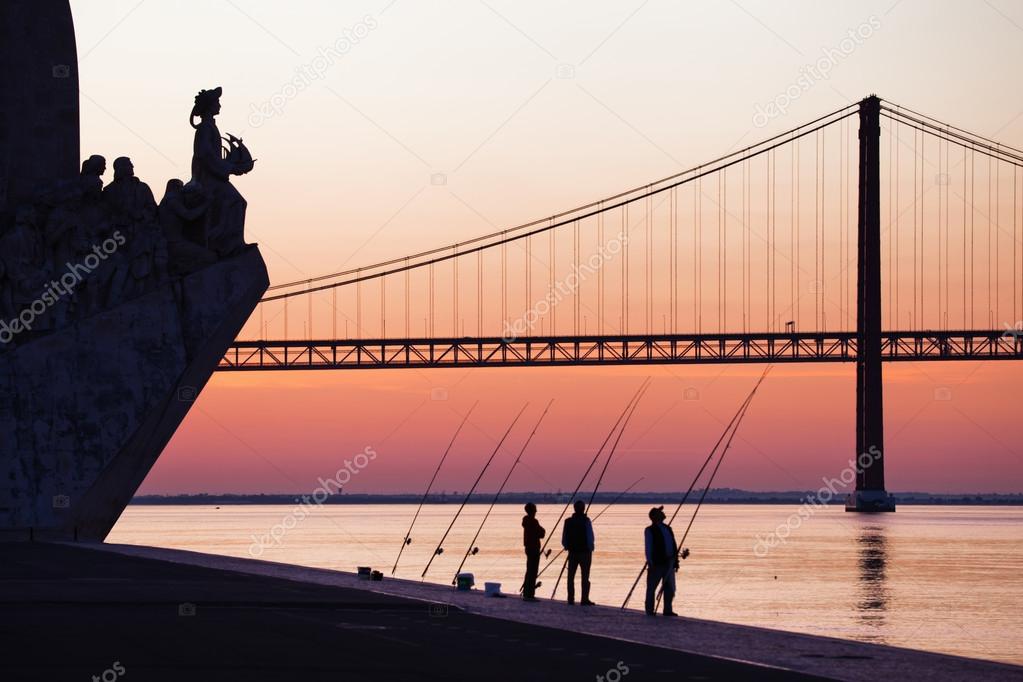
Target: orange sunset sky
526, 109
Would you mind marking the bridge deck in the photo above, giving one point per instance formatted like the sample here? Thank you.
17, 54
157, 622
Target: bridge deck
614, 350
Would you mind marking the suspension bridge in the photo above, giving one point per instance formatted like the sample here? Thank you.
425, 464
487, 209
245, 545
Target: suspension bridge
872, 234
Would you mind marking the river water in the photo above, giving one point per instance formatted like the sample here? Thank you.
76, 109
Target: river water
947, 579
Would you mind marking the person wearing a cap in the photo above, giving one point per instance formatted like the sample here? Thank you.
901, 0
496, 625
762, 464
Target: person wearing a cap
662, 561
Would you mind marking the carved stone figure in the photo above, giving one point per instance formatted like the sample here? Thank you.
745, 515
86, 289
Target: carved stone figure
129, 198
133, 210
94, 165
180, 210
212, 168
22, 250
92, 227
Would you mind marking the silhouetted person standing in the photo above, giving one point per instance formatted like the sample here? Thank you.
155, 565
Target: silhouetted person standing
577, 540
662, 561
532, 533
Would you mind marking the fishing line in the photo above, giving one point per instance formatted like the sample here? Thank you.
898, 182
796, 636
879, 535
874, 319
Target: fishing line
599, 514
440, 545
738, 414
678, 548
625, 424
596, 457
408, 535
473, 549
614, 446
543, 549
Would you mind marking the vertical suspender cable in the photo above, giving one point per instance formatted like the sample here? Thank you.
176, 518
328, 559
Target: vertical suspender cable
891, 226
600, 271
696, 254
626, 228
720, 272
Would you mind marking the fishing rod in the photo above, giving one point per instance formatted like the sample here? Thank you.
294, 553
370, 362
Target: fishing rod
737, 416
713, 474
473, 549
543, 550
611, 453
607, 439
599, 514
614, 447
408, 535
440, 545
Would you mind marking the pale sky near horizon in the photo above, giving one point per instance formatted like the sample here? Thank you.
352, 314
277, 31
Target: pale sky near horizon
527, 109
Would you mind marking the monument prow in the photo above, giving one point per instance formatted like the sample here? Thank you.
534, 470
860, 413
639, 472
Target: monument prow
89, 409
114, 310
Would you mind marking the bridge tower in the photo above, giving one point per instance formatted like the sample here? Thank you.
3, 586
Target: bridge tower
870, 494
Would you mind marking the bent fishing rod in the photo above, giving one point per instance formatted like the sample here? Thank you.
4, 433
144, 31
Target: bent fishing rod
614, 447
440, 545
543, 550
736, 417
596, 456
408, 535
713, 473
599, 514
728, 444
473, 549
610, 455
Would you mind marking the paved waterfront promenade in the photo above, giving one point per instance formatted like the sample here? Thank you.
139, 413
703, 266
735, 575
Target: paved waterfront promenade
74, 611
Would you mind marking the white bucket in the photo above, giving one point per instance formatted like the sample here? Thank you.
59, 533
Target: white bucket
492, 589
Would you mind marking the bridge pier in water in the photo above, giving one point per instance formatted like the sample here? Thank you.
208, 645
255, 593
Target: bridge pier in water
870, 494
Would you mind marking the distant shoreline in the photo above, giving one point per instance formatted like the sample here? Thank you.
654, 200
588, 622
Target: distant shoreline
715, 496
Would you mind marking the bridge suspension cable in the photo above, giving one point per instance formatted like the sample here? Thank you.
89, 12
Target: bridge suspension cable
591, 209
713, 256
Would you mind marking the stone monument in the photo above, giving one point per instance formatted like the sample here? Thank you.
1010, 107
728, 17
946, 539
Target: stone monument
114, 310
